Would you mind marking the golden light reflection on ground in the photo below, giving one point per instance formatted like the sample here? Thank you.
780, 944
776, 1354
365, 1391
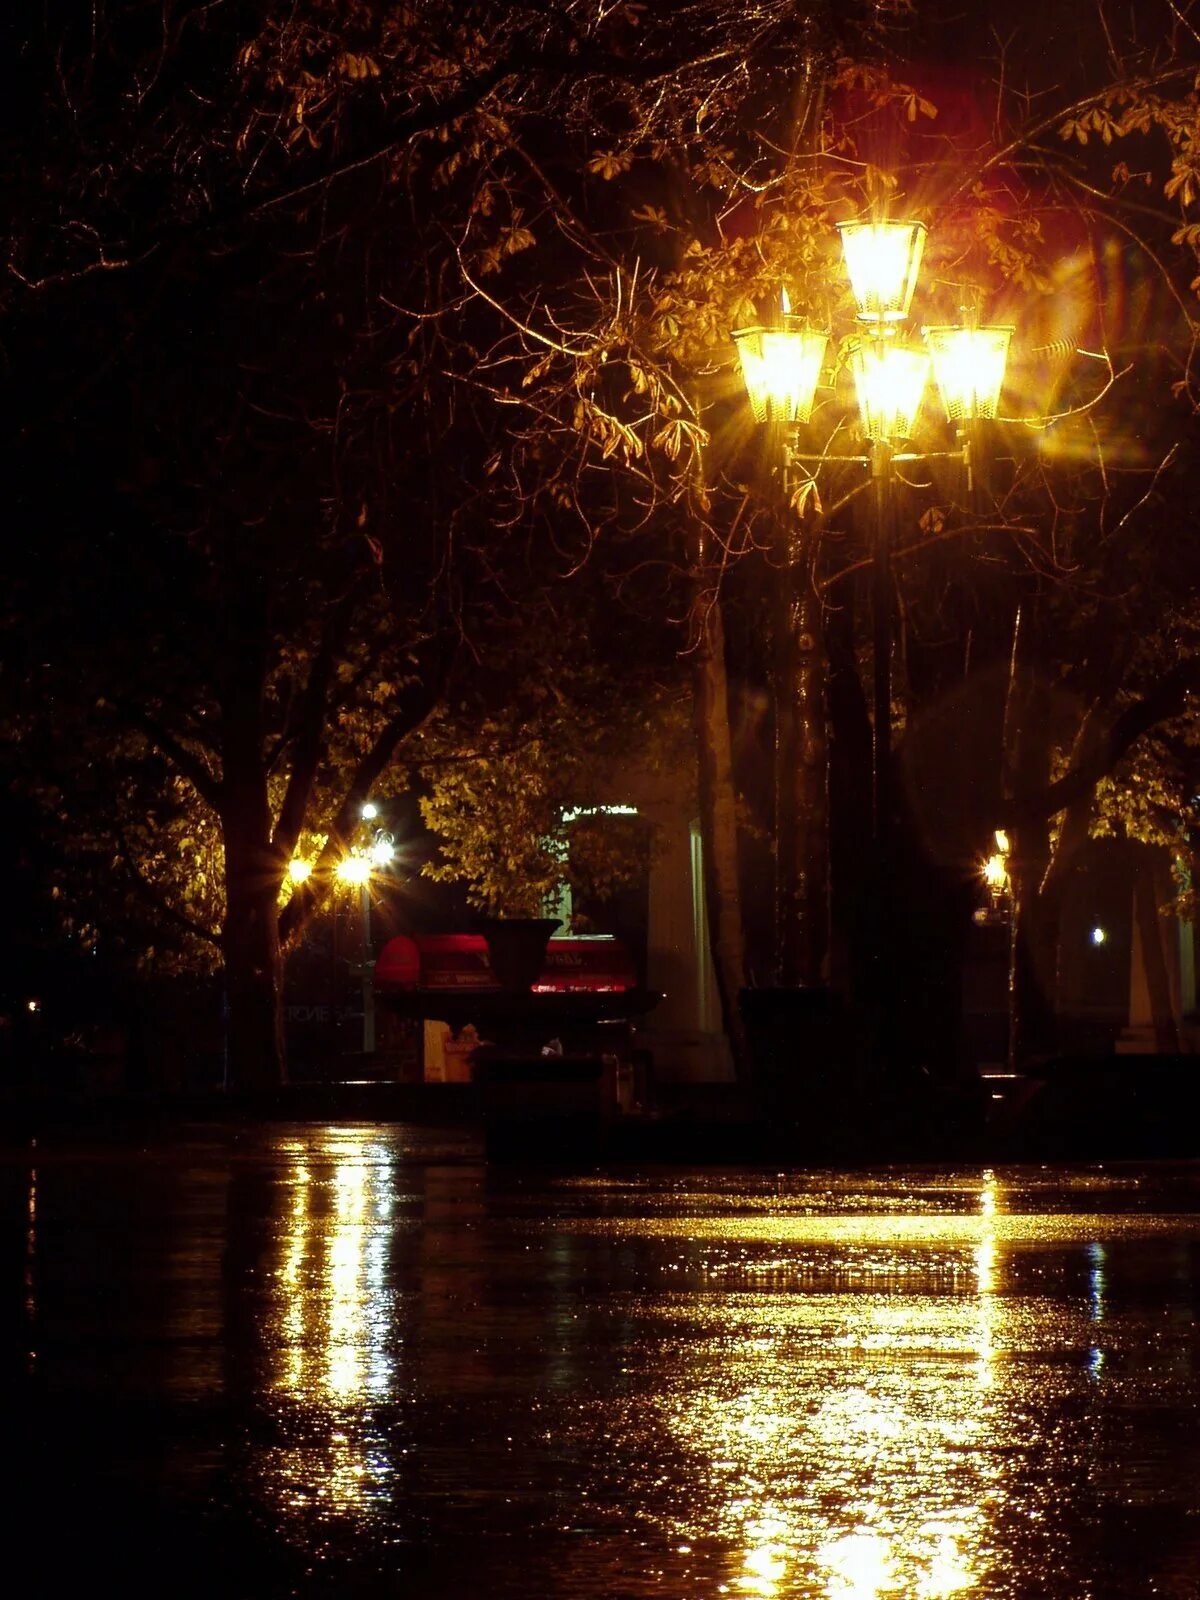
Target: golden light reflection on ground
847, 1439
864, 1229
29, 1275
328, 1331
363, 1361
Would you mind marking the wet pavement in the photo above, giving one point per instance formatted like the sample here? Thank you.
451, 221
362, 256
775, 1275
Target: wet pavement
355, 1360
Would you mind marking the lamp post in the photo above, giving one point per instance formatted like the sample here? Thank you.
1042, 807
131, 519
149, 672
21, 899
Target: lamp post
357, 870
781, 367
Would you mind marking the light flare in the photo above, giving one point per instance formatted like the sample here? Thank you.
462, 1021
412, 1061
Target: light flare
889, 380
968, 367
781, 368
882, 262
354, 870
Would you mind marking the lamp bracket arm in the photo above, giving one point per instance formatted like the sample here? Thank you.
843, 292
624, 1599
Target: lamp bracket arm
929, 455
801, 459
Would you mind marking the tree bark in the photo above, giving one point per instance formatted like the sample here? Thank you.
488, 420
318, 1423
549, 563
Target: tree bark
1158, 982
253, 967
849, 767
718, 816
1033, 955
254, 866
1033, 929
250, 938
810, 792
788, 907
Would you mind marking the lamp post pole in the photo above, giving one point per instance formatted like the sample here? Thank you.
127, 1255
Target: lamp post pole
781, 365
357, 869
787, 909
884, 498
368, 974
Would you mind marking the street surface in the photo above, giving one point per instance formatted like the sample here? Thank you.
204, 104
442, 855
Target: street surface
316, 1360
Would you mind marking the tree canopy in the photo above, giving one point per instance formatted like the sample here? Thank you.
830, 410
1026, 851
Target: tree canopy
341, 339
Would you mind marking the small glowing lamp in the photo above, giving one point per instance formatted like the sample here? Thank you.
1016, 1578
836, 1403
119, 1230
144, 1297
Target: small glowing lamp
1099, 936
882, 261
780, 367
354, 869
33, 1005
369, 811
382, 852
299, 869
889, 380
968, 364
995, 873
1002, 843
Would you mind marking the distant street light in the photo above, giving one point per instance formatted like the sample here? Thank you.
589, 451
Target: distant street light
357, 870
354, 870
383, 851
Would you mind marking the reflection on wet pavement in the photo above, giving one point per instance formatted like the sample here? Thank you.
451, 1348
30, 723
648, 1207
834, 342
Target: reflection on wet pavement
301, 1361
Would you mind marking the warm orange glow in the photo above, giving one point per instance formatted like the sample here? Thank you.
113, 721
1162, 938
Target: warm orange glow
882, 260
382, 852
890, 380
859, 1566
995, 872
968, 364
781, 367
299, 869
328, 1328
354, 869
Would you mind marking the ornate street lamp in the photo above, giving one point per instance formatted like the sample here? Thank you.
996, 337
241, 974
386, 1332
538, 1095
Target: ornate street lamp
889, 380
882, 261
781, 367
968, 366
357, 870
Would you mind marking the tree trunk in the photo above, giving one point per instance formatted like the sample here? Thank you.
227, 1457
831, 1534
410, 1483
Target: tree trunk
850, 880
1033, 937
1158, 982
1032, 955
253, 875
810, 794
788, 909
718, 817
801, 779
253, 970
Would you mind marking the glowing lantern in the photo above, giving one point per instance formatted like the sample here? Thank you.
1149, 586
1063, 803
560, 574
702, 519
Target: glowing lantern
882, 260
781, 367
299, 869
354, 869
995, 873
890, 380
382, 851
969, 364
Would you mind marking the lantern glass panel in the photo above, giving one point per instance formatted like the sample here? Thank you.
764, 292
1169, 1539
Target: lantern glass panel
968, 364
882, 260
890, 381
781, 368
